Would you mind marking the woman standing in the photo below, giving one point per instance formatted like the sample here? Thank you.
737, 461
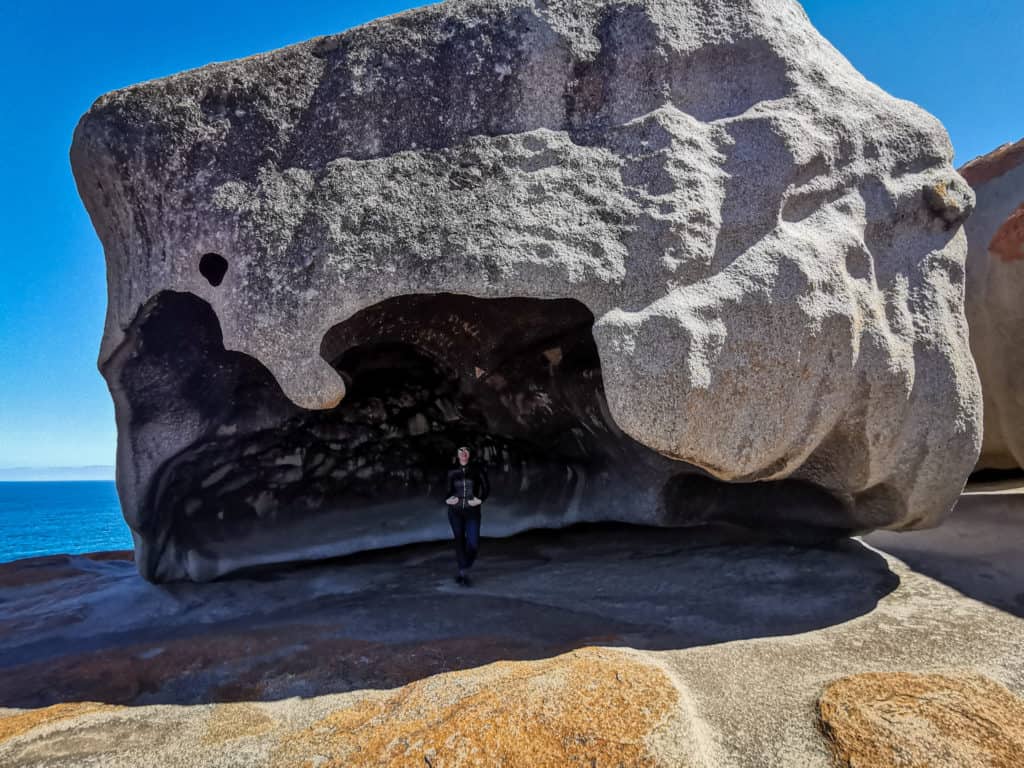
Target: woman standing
467, 489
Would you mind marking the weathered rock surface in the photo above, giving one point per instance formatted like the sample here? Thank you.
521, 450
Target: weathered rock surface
621, 249
995, 299
633, 646
901, 720
592, 706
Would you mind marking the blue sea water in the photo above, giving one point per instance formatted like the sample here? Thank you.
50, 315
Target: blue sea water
58, 517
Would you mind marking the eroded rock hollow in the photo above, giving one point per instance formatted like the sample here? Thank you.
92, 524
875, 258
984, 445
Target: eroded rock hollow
661, 262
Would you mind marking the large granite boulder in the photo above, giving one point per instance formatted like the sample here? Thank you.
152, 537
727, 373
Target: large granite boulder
639, 256
995, 299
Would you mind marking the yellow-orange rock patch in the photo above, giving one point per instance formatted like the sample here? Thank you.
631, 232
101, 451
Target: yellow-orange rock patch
1008, 242
923, 721
23, 722
590, 707
236, 721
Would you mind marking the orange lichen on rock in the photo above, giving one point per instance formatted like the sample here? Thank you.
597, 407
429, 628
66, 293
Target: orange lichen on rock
591, 706
883, 719
994, 164
1008, 242
23, 722
236, 721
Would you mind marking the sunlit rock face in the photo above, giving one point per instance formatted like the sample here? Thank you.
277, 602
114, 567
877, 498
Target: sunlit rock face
658, 262
995, 299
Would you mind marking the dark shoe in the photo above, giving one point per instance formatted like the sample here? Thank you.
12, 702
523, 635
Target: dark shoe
466, 581
460, 579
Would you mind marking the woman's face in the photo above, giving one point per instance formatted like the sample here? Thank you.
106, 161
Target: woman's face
463, 456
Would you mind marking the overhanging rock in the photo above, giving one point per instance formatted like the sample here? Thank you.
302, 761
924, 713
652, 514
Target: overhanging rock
626, 250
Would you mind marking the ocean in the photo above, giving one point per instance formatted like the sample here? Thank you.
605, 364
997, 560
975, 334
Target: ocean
60, 517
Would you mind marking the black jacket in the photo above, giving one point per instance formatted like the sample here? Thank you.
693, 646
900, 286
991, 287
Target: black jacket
467, 482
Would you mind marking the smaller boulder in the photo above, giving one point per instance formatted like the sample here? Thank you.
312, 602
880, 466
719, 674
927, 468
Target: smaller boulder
883, 719
590, 706
994, 305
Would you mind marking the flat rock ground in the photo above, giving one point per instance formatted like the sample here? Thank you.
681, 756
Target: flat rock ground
598, 645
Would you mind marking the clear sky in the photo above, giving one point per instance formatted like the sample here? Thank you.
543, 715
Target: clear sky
961, 61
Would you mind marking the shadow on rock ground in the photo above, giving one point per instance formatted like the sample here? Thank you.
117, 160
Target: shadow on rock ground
977, 551
95, 631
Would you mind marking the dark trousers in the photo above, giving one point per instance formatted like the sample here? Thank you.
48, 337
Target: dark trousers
466, 529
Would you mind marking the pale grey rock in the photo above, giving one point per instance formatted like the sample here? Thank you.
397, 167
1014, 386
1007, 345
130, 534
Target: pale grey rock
767, 246
995, 299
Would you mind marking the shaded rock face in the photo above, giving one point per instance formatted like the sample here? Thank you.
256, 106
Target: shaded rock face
614, 244
517, 379
995, 309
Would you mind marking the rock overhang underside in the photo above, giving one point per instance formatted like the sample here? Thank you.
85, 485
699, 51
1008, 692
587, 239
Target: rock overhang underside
661, 262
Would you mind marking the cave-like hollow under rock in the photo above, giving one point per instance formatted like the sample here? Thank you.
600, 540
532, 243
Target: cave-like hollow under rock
518, 380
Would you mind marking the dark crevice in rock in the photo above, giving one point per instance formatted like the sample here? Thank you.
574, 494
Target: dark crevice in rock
993, 475
787, 508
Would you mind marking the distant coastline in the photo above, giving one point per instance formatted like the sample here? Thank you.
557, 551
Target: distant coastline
52, 474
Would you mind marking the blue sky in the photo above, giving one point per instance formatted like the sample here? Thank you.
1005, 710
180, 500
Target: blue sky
960, 61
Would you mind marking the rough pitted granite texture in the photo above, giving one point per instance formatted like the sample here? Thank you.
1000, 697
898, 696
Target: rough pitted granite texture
995, 299
769, 245
902, 720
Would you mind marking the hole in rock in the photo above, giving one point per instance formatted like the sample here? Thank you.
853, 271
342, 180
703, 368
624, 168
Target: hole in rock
260, 480
213, 267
